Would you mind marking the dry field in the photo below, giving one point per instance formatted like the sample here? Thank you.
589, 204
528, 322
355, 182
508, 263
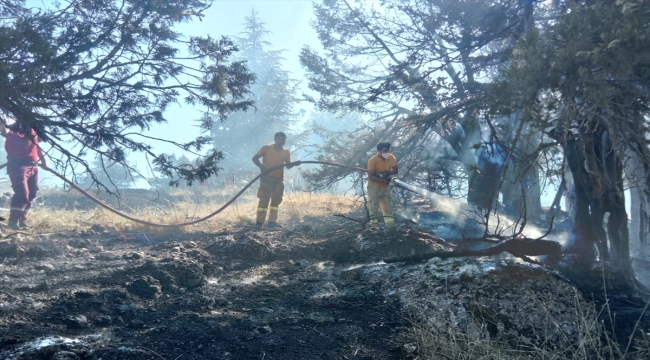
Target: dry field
181, 206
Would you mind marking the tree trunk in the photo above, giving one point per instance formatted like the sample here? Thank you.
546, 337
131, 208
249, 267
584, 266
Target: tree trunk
581, 236
598, 190
636, 175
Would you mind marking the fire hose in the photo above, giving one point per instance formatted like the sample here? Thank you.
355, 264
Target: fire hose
145, 222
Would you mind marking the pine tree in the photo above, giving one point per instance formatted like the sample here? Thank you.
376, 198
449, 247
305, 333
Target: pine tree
274, 95
92, 76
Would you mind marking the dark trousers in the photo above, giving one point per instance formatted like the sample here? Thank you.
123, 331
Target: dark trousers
24, 181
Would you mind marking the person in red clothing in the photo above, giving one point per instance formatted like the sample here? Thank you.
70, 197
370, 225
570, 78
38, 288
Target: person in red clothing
23, 155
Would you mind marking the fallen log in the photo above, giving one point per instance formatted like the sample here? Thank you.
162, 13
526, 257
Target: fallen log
521, 248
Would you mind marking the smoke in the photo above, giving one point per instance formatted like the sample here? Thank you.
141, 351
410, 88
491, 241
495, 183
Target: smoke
450, 218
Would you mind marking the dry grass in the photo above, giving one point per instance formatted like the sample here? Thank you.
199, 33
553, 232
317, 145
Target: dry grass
588, 340
184, 206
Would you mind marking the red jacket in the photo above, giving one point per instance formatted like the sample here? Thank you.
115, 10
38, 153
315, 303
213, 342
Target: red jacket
20, 147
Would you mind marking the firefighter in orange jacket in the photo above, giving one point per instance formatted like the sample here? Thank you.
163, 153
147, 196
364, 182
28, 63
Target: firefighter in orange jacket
272, 183
380, 167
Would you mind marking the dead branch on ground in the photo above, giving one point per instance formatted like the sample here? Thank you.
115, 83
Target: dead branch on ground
520, 247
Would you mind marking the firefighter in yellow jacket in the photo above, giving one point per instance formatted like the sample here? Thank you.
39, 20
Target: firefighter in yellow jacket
272, 183
380, 167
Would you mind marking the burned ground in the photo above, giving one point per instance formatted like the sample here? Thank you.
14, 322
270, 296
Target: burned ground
316, 290
238, 294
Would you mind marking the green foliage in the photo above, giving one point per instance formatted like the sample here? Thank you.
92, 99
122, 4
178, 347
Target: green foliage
411, 68
96, 74
184, 164
400, 56
591, 66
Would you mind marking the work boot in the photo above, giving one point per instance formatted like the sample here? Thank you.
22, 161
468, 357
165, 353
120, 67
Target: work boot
273, 225
13, 225
259, 225
23, 225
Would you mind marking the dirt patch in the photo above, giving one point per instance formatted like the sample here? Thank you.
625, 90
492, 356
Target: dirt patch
242, 294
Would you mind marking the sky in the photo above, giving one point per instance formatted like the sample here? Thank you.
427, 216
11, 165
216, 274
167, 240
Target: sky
288, 24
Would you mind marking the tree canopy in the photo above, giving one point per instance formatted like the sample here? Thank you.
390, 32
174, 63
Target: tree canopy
584, 81
419, 71
93, 75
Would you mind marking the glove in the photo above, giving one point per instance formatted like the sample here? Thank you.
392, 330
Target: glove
384, 175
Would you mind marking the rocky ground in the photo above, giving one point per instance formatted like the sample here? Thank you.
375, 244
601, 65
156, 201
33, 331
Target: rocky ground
315, 290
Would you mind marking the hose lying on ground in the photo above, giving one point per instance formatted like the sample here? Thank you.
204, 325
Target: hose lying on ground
145, 222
